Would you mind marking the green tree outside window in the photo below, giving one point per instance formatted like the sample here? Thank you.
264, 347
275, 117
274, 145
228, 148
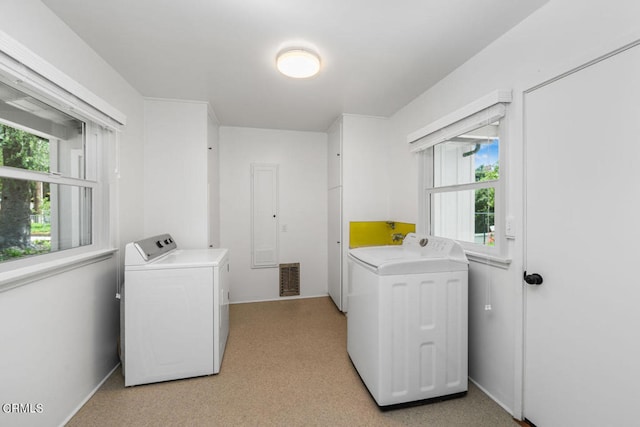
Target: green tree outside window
19, 199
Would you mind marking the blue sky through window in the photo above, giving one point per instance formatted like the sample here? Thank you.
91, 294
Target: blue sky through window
488, 154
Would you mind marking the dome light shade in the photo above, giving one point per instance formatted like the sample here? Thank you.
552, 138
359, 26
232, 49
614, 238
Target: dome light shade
298, 63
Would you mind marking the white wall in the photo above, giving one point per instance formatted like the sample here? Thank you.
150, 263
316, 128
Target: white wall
302, 160
561, 35
176, 157
59, 340
59, 334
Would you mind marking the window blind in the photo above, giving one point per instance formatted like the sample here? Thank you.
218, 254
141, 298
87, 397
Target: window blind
481, 113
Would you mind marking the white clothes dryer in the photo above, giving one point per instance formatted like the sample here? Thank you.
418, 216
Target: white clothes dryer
175, 306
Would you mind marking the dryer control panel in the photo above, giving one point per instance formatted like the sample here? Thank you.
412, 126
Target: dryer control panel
151, 248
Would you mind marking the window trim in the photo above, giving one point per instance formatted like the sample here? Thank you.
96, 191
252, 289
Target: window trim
25, 273
50, 177
478, 113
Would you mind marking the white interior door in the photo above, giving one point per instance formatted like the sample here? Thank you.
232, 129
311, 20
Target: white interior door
582, 324
264, 216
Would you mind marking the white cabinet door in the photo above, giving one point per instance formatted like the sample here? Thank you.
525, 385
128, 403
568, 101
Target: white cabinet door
334, 246
223, 311
264, 215
582, 201
334, 155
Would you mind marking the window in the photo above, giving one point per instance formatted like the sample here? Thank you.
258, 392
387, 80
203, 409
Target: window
46, 181
466, 171
462, 196
56, 152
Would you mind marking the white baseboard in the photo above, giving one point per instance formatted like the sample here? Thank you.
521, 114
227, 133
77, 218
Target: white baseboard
502, 405
86, 399
280, 299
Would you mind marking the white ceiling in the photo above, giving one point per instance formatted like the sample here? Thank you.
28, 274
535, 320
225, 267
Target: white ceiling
377, 55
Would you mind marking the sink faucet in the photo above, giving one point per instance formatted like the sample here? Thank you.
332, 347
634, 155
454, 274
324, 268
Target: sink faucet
397, 236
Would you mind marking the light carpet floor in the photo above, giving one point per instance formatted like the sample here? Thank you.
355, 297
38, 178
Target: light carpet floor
286, 364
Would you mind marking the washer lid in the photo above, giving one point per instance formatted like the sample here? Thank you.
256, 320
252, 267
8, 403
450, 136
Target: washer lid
190, 258
418, 254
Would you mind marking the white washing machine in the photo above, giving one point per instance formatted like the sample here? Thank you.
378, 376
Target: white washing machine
175, 306
407, 320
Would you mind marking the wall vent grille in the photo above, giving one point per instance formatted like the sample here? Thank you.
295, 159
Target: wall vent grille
289, 279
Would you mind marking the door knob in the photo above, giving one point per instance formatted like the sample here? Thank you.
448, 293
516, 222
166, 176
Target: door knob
533, 279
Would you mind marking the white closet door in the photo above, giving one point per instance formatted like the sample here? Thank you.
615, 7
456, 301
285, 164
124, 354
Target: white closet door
264, 215
582, 352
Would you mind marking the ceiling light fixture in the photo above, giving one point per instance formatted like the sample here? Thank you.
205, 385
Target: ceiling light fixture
298, 63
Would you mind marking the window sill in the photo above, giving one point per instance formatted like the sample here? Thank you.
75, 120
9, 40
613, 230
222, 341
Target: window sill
491, 260
22, 276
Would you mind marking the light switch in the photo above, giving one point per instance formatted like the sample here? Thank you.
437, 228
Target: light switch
510, 228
